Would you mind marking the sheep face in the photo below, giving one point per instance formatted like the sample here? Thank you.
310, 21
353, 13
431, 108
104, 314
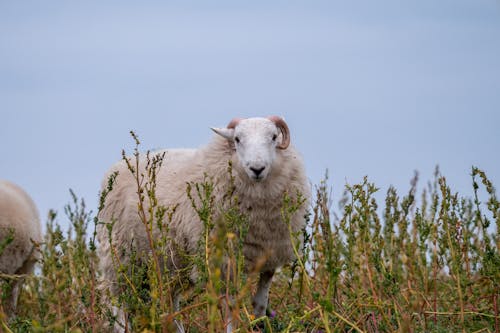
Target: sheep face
255, 141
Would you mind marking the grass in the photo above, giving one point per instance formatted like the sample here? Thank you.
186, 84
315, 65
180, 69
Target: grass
422, 262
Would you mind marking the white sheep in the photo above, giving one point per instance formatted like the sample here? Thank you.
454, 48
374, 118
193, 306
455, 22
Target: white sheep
265, 166
19, 222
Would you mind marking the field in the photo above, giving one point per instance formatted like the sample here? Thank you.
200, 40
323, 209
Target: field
418, 262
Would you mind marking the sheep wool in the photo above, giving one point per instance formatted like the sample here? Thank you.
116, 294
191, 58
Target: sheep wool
19, 222
264, 168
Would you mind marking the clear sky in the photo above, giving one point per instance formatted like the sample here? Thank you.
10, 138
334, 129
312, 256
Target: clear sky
377, 88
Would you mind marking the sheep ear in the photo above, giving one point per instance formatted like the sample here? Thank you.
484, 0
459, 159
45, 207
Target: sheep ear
226, 133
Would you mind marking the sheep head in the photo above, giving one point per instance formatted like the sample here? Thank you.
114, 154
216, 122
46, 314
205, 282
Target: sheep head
255, 141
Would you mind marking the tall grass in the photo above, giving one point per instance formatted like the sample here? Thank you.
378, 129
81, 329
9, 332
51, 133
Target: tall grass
420, 262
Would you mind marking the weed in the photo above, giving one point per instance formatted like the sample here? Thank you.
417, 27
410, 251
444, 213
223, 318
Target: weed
415, 265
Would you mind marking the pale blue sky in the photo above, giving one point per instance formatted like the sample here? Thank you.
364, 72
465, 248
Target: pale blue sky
377, 88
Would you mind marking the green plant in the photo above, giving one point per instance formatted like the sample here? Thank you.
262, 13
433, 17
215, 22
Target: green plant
427, 262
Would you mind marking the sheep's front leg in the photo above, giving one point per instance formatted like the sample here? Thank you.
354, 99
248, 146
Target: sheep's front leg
12, 291
261, 297
177, 308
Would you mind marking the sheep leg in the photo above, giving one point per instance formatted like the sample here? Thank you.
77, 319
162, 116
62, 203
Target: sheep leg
177, 307
121, 323
261, 297
228, 313
12, 294
15, 285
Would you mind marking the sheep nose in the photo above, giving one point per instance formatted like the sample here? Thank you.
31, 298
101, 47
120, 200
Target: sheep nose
257, 171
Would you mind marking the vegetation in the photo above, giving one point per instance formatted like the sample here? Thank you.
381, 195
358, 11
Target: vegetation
427, 262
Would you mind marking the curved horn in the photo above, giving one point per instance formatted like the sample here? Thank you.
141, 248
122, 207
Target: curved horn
234, 122
285, 131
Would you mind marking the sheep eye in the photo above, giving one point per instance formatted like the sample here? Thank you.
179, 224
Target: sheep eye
237, 139
275, 137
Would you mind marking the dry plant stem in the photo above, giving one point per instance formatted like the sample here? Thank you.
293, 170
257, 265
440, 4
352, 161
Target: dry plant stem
93, 301
124, 274
5, 327
497, 317
323, 316
347, 321
458, 314
148, 226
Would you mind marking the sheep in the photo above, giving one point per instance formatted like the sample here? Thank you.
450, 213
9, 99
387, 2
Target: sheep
265, 166
20, 231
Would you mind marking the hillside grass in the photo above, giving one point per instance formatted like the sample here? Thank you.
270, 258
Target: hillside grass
418, 262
